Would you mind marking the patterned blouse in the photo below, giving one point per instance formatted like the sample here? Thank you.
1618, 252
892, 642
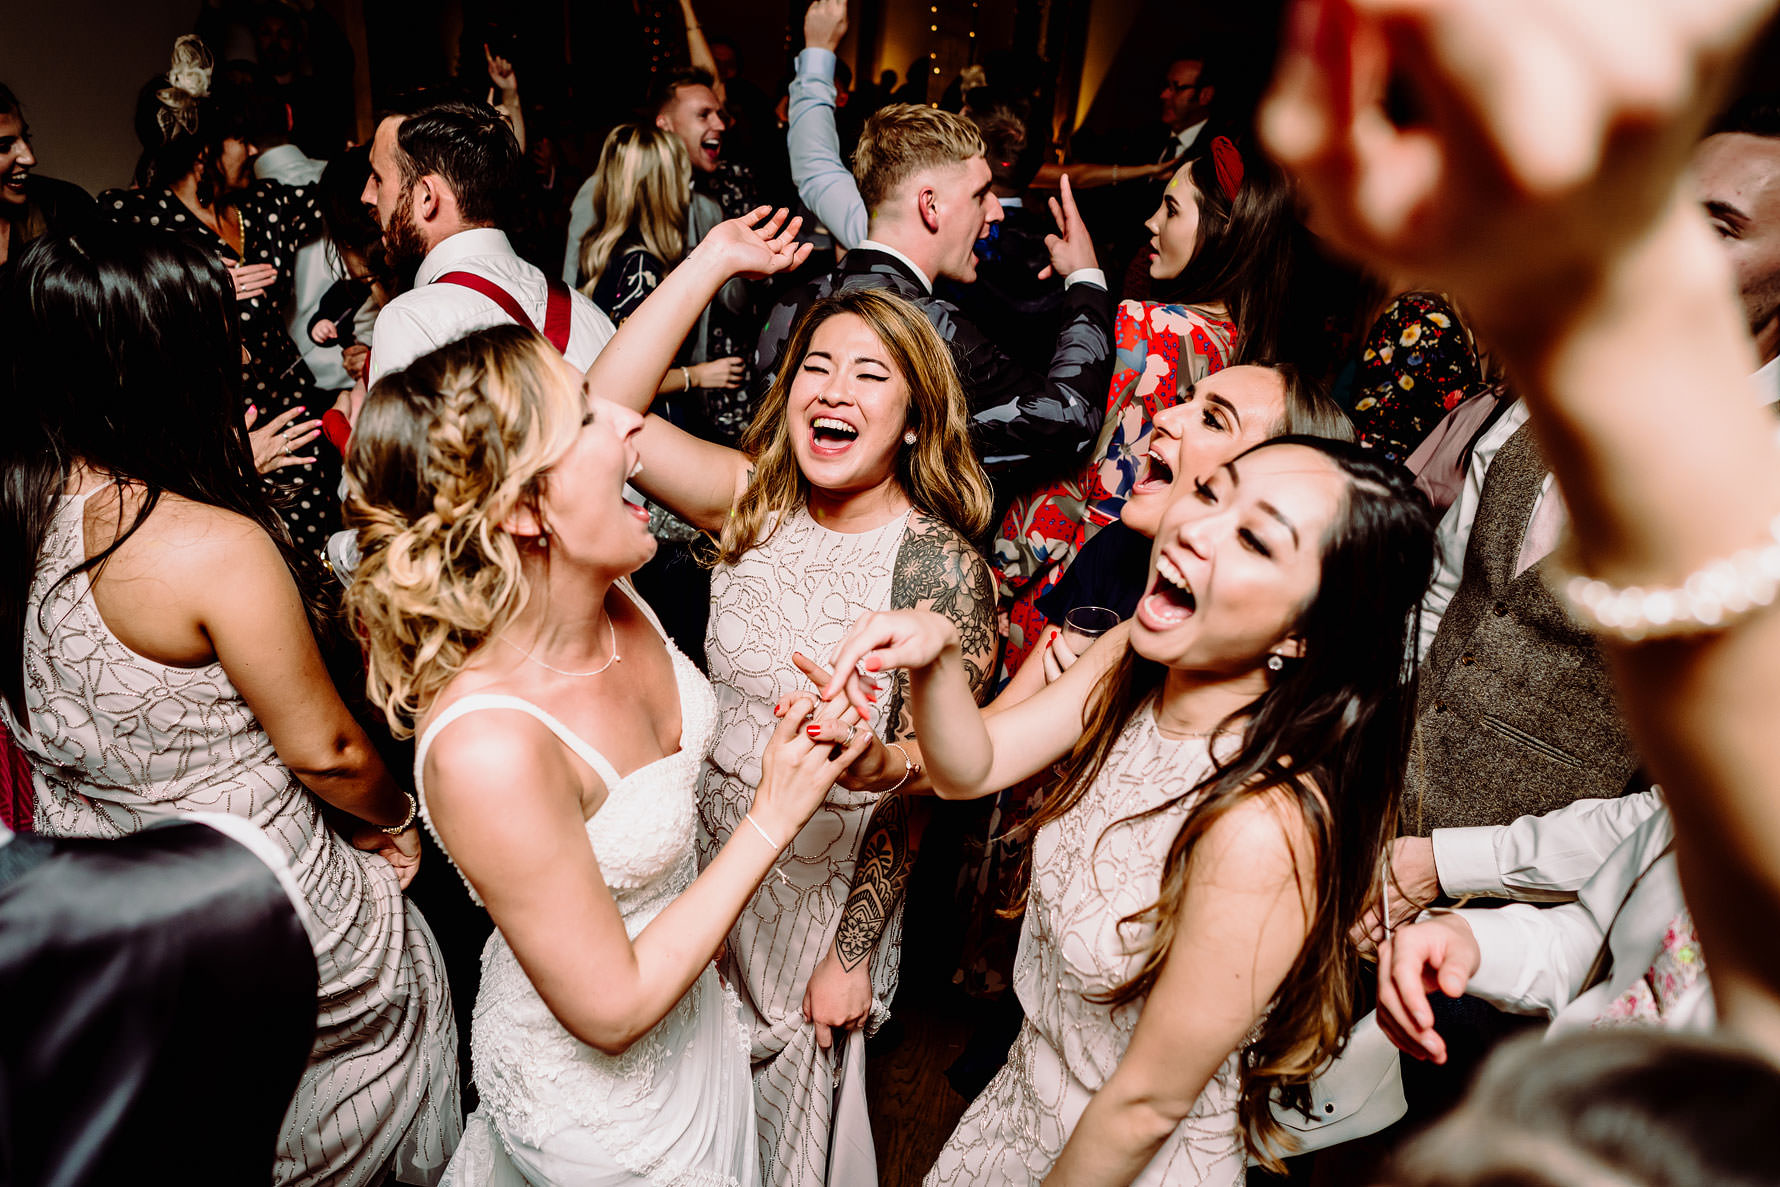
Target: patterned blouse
1417, 364
276, 220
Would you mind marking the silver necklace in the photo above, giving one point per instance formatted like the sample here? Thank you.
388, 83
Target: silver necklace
612, 638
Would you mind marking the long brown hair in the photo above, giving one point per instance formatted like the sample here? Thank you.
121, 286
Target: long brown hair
643, 183
939, 473
1330, 733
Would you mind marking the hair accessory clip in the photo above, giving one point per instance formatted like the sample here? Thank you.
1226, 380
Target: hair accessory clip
1226, 159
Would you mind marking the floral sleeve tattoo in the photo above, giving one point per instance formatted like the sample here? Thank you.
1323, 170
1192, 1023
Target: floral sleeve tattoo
937, 570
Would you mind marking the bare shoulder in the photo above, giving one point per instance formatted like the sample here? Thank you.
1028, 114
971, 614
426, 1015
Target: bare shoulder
181, 539
1266, 837
496, 758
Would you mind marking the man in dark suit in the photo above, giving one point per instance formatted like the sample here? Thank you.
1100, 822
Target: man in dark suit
924, 178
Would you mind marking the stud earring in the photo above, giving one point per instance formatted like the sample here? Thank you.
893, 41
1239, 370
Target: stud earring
1275, 663
908, 437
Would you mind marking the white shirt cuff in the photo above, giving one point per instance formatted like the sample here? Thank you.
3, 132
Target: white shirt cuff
1500, 978
817, 63
1093, 276
1465, 862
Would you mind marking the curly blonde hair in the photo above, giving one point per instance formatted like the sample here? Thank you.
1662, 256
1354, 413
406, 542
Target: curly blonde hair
443, 451
939, 473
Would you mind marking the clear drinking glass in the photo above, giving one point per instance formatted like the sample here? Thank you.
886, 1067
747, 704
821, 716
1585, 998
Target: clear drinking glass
1084, 624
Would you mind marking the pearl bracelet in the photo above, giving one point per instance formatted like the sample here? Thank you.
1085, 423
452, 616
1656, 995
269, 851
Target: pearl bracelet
1713, 598
909, 767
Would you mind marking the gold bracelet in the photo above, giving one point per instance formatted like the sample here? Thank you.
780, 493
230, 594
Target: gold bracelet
407, 822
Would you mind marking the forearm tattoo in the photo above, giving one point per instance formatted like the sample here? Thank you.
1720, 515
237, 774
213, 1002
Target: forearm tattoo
878, 880
936, 569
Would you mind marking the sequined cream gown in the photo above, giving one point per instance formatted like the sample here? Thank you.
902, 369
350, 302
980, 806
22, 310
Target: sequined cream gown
676, 1109
1089, 871
801, 590
117, 741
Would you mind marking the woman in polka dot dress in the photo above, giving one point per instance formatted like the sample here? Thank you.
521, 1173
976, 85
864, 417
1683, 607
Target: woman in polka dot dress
196, 180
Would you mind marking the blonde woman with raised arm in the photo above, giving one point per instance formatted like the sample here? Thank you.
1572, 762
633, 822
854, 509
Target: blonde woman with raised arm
560, 740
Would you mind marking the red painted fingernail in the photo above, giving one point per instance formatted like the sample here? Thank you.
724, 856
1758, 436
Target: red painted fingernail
814, 730
871, 664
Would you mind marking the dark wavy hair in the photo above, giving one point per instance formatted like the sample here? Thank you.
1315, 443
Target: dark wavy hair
123, 354
1331, 733
1243, 253
467, 144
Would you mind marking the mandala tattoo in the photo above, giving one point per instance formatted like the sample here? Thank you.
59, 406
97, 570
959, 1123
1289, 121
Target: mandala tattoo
937, 570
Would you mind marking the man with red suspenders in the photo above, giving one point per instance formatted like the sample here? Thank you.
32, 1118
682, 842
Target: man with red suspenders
438, 175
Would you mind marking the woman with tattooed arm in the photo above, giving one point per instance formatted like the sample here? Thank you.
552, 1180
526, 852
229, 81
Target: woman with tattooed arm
855, 490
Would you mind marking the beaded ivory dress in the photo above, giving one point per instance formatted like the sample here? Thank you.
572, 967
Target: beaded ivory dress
117, 741
801, 590
676, 1109
1090, 871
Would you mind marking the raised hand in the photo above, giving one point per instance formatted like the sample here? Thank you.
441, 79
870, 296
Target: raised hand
1549, 132
882, 641
748, 246
1438, 953
501, 75
824, 24
1072, 248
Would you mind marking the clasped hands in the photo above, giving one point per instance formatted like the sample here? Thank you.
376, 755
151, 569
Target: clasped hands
834, 723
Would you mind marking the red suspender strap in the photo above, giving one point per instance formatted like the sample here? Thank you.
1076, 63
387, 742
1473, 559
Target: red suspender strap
557, 307
492, 291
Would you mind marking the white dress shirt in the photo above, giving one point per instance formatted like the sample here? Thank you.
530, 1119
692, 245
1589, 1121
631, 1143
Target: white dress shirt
1545, 858
1184, 139
1535, 959
430, 315
316, 269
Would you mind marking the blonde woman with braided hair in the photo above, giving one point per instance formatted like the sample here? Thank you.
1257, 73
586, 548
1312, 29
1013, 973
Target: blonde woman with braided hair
856, 489
487, 485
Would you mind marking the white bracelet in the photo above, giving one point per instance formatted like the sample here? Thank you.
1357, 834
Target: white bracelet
909, 767
749, 817
1714, 598
686, 377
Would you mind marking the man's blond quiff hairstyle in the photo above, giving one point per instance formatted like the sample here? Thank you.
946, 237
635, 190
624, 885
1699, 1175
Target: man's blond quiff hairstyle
443, 451
902, 139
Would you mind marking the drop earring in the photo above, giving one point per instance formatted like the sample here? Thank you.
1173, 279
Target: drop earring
1275, 663
908, 437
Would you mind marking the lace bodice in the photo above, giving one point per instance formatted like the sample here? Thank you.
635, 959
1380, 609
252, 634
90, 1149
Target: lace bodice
1091, 869
537, 1079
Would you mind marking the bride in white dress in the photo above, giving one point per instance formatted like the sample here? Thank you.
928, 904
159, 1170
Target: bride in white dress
1232, 767
561, 736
